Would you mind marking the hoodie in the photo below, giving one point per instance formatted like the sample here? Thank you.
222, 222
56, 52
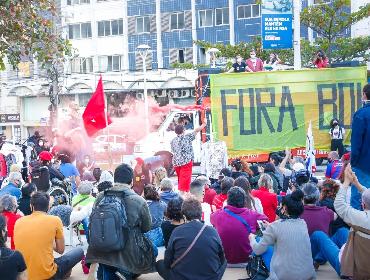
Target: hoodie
166, 196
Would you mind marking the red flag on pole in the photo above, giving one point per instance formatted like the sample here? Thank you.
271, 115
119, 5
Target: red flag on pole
95, 117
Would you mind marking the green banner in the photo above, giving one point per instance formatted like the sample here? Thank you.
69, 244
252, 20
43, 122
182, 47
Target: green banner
268, 111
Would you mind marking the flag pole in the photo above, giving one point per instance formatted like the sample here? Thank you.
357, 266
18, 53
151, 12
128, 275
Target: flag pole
107, 126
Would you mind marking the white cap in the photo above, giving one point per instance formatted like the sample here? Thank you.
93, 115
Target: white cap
298, 166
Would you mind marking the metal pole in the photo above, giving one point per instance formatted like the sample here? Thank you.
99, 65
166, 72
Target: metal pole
143, 56
297, 34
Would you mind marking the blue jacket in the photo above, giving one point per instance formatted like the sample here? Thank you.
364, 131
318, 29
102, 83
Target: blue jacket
166, 196
12, 190
360, 139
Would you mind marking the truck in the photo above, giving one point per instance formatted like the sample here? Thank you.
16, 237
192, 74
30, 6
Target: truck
260, 113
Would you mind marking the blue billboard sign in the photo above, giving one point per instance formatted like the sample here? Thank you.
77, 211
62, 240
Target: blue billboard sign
277, 24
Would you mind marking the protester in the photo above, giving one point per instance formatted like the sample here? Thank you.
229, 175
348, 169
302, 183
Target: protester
209, 194
34, 138
234, 223
320, 60
226, 184
316, 217
254, 64
69, 171
82, 204
183, 155
337, 133
159, 175
97, 172
267, 196
225, 172
106, 176
335, 166
198, 191
8, 208
167, 192
238, 66
12, 264
15, 183
142, 176
138, 255
174, 217
275, 159
269, 169
40, 146
251, 202
352, 259
360, 152
291, 257
86, 165
237, 170
24, 203
105, 185
194, 250
45, 158
157, 209
36, 235
272, 63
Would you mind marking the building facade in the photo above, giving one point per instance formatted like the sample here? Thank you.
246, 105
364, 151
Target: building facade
105, 35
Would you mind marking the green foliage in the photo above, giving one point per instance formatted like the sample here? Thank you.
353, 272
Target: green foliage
331, 20
187, 65
27, 30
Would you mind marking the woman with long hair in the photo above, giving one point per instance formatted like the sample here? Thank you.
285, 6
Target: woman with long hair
251, 202
12, 264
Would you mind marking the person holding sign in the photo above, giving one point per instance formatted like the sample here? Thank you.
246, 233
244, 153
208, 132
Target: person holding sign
239, 65
254, 64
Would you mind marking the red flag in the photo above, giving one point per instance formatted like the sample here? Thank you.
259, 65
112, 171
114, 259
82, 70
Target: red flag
94, 116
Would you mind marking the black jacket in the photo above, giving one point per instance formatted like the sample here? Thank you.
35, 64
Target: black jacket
205, 261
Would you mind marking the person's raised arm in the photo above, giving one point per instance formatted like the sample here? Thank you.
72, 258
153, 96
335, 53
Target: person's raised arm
200, 128
344, 210
285, 160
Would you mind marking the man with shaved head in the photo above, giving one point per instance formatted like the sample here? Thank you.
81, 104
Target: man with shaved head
335, 165
353, 259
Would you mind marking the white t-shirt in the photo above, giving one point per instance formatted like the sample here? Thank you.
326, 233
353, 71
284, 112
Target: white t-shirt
206, 214
337, 132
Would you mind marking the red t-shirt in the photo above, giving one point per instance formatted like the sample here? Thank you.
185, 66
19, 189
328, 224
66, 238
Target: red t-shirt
269, 202
11, 218
209, 195
322, 63
219, 200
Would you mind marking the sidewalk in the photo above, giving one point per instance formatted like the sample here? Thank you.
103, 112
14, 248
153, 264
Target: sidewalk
325, 272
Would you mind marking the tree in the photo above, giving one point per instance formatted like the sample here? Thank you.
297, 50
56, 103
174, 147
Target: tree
28, 30
331, 20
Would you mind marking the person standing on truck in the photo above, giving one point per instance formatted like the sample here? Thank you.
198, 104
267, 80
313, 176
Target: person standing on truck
254, 64
360, 152
183, 155
238, 66
337, 136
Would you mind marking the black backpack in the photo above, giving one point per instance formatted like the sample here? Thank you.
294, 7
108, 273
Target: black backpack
40, 176
108, 228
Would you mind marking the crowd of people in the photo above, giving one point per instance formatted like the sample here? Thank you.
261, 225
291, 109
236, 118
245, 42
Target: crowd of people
275, 217
273, 63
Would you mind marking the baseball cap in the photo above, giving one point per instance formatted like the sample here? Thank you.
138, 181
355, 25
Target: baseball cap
45, 155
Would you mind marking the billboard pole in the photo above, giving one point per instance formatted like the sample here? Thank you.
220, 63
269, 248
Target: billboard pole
297, 34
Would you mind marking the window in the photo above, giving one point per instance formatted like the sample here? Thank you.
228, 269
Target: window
222, 16
109, 63
82, 65
181, 56
77, 2
80, 30
205, 18
177, 21
249, 11
142, 25
110, 27
202, 56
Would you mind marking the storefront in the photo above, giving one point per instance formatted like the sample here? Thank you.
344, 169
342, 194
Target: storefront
10, 127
